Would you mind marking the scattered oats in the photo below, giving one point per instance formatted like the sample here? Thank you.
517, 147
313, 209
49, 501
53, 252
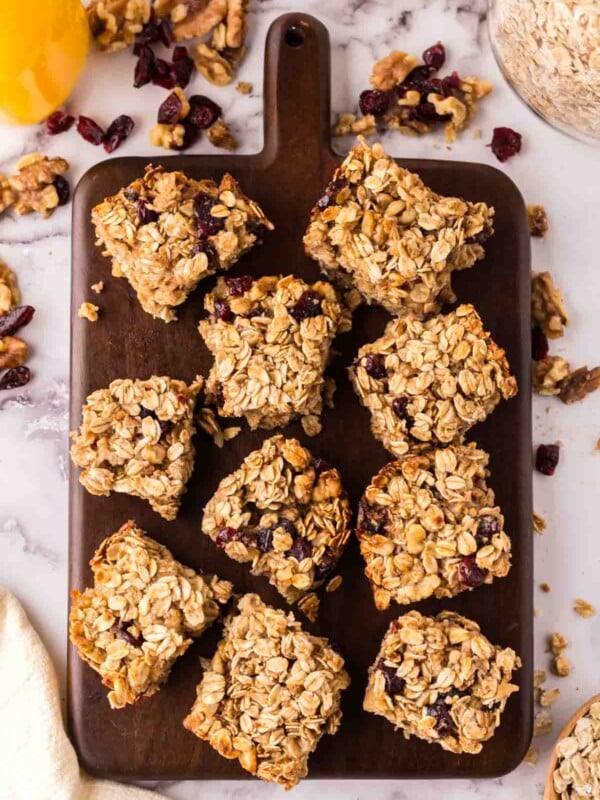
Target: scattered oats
97, 287
538, 220
583, 608
561, 666
540, 676
421, 517
270, 693
422, 658
309, 606
542, 723
231, 432
545, 587
243, 87
379, 229
548, 697
539, 523
531, 756
547, 306
207, 419
577, 773
141, 615
88, 311
334, 584
557, 643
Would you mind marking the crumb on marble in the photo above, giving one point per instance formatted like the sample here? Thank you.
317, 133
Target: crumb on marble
243, 87
545, 587
583, 608
542, 723
539, 523
531, 756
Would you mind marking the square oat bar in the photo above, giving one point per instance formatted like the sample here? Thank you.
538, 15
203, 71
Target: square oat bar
141, 615
271, 341
136, 438
440, 679
430, 381
269, 694
427, 525
286, 513
379, 228
165, 232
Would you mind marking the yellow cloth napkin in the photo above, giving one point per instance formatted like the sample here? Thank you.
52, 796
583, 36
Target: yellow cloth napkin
37, 760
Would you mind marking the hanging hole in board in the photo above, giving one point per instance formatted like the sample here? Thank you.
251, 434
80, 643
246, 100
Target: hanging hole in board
294, 37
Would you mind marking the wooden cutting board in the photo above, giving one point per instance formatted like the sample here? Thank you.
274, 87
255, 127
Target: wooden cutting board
148, 741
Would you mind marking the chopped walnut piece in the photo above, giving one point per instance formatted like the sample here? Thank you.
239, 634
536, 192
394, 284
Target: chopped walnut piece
542, 723
549, 375
13, 352
97, 287
212, 65
538, 220
391, 70
10, 296
88, 311
220, 135
579, 384
7, 196
561, 666
171, 137
450, 107
243, 87
193, 17
114, 24
539, 523
547, 306
583, 608
350, 123
34, 184
557, 643
548, 697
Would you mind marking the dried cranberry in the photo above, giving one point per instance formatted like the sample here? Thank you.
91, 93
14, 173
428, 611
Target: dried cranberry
440, 711
163, 74
144, 68
451, 83
308, 305
481, 237
373, 101
190, 135
546, 458
375, 366
238, 285
425, 112
434, 56
123, 633
330, 193
372, 518
505, 143
415, 79
539, 344
145, 213
325, 567
287, 525
90, 130
203, 112
400, 406
259, 311
225, 536
156, 30
223, 311
469, 573
264, 539
220, 395
321, 465
14, 378
118, 130
63, 190
59, 122
301, 549
183, 66
207, 224
487, 527
169, 110
14, 319
203, 246
394, 684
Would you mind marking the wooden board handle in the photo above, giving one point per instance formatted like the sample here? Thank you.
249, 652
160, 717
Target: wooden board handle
297, 88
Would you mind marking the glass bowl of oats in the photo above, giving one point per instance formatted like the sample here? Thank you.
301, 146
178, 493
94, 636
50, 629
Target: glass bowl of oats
549, 52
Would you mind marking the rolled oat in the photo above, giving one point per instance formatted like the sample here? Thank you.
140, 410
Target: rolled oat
577, 773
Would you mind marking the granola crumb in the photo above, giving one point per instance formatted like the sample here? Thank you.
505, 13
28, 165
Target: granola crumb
583, 608
561, 666
542, 724
540, 676
545, 587
207, 419
538, 220
88, 311
547, 305
531, 756
97, 287
334, 584
557, 643
539, 523
477, 134
309, 606
244, 87
548, 697
231, 432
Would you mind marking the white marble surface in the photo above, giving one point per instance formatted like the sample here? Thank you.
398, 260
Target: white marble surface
560, 173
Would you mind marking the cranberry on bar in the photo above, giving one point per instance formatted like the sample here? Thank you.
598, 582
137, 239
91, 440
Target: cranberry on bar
430, 381
380, 229
427, 525
165, 232
143, 612
287, 514
440, 679
271, 341
270, 693
136, 438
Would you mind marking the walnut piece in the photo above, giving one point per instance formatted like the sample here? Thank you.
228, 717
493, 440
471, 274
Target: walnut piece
547, 306
34, 184
243, 87
351, 124
220, 136
549, 374
10, 296
13, 352
212, 65
583, 608
538, 220
114, 24
391, 70
579, 384
171, 137
7, 196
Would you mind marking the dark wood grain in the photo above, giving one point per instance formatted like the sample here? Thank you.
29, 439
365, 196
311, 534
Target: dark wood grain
148, 741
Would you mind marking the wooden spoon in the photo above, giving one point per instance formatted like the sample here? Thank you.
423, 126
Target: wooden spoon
549, 793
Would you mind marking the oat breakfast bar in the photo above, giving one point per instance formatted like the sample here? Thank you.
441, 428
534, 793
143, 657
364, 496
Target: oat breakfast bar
379, 228
439, 678
136, 438
141, 614
269, 694
271, 341
165, 232
286, 513
427, 525
431, 381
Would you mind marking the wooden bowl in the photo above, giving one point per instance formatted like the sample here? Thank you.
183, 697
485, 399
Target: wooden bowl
549, 793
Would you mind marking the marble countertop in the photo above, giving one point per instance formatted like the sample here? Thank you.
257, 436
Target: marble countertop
552, 169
